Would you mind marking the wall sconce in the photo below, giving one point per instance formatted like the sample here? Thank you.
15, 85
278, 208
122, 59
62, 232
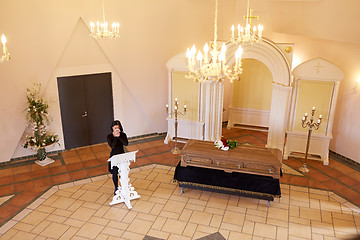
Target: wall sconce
356, 87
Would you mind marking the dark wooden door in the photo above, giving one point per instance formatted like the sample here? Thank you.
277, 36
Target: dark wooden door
86, 105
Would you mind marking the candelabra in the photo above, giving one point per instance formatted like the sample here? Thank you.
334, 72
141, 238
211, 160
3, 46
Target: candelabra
176, 112
102, 30
311, 124
5, 55
250, 34
211, 65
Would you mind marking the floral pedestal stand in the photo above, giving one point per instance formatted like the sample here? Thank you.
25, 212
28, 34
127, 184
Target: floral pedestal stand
43, 160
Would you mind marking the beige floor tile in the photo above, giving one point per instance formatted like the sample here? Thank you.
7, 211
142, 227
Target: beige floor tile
163, 178
279, 214
74, 223
99, 221
315, 236
159, 223
205, 195
83, 214
118, 225
302, 221
90, 230
35, 217
348, 217
130, 216
112, 232
132, 236
248, 227
326, 216
157, 209
101, 211
174, 226
152, 186
24, 227
40, 227
63, 202
62, 212
344, 226
250, 203
207, 229
237, 236
330, 206
185, 215
158, 200
216, 211
57, 219
158, 234
45, 209
314, 203
69, 233
298, 230
299, 189
145, 216
167, 214
231, 227
162, 193
139, 226
54, 230
309, 213
91, 205
294, 211
216, 221
115, 213
141, 184
23, 235
200, 218
174, 206
190, 229
278, 223
103, 236
236, 209
75, 205
194, 207
178, 237
282, 233
254, 218
143, 206
234, 218
192, 193
264, 230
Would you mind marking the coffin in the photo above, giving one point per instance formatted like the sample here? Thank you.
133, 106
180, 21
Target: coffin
242, 159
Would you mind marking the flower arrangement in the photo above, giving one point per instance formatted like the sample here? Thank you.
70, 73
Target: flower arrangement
225, 145
38, 120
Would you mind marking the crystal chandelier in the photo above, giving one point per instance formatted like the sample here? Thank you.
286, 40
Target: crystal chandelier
249, 34
101, 30
213, 66
5, 54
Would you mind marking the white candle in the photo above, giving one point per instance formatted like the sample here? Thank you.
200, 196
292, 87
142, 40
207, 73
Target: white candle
320, 116
232, 32
305, 115
313, 108
303, 118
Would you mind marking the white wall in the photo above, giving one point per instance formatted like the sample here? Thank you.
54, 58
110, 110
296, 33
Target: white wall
42, 35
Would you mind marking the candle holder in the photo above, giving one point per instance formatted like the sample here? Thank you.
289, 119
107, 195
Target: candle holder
311, 124
175, 113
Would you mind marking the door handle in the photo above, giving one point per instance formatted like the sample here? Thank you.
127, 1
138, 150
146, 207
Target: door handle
84, 115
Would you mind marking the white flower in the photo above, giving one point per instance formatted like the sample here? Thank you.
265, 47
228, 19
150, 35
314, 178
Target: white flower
219, 144
225, 148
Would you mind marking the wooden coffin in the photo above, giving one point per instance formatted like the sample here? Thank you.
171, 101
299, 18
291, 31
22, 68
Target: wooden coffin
244, 159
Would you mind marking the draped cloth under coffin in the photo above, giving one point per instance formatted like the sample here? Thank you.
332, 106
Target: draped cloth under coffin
247, 171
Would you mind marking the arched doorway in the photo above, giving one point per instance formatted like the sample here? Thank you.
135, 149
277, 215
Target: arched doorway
275, 60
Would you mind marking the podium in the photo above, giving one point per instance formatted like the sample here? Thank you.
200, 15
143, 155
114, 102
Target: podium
125, 191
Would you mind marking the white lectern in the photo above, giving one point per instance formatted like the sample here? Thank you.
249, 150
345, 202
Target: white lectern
125, 191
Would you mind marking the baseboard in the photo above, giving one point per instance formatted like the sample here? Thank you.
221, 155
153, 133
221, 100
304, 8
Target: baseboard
344, 160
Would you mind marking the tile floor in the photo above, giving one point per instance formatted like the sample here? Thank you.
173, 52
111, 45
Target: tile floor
69, 199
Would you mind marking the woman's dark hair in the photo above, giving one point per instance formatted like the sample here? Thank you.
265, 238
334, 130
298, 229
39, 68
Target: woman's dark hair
116, 122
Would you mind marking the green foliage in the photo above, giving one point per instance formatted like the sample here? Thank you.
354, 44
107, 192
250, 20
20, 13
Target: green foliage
232, 144
37, 112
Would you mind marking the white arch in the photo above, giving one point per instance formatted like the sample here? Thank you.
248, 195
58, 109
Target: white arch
271, 55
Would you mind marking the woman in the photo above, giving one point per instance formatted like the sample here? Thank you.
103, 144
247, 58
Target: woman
116, 140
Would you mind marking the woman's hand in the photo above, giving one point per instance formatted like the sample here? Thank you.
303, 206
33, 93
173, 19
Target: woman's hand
116, 133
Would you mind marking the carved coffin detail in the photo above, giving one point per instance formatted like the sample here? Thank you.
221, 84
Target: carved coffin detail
253, 160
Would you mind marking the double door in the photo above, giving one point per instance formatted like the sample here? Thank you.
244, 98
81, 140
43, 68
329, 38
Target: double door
86, 105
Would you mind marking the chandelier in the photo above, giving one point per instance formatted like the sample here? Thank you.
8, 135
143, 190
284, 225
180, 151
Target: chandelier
250, 34
101, 30
5, 54
211, 65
